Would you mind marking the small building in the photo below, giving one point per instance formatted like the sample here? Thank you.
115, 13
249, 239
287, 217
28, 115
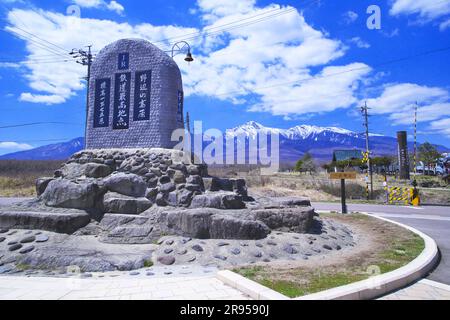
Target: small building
345, 155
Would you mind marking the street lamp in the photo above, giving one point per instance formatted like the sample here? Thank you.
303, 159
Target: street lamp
179, 47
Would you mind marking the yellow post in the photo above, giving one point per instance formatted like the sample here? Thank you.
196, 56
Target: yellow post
415, 197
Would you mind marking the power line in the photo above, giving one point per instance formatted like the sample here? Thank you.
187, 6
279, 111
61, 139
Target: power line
44, 140
39, 44
342, 72
209, 34
36, 124
32, 34
209, 31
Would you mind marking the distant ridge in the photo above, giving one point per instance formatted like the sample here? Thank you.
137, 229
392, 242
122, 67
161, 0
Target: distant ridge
58, 151
294, 143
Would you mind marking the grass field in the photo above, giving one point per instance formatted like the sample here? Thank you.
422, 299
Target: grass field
17, 178
393, 247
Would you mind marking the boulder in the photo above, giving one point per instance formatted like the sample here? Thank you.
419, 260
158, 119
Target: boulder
218, 200
63, 193
221, 185
152, 193
118, 203
95, 170
41, 185
66, 223
179, 177
298, 220
167, 188
126, 184
196, 180
208, 200
232, 201
185, 198
71, 171
213, 224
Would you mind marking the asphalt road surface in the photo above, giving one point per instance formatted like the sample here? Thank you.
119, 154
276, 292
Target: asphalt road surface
433, 221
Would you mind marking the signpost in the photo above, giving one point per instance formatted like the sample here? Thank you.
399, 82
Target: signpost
343, 176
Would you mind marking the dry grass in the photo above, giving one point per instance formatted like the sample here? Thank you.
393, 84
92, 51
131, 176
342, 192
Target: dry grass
391, 247
17, 178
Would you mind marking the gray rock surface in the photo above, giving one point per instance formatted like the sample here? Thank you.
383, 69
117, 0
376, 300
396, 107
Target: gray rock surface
214, 224
117, 203
41, 185
63, 193
56, 222
127, 184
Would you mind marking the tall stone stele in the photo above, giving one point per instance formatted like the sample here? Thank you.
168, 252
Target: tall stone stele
135, 99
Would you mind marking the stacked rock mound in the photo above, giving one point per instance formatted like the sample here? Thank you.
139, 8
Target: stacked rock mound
139, 195
132, 181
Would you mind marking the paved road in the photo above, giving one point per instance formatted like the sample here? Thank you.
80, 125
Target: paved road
434, 221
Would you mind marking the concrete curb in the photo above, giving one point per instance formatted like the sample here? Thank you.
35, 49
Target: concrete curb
251, 288
363, 290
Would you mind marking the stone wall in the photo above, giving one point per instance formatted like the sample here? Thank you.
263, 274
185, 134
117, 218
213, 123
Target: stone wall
166, 82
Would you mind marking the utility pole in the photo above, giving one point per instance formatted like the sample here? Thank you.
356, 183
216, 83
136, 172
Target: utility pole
84, 58
365, 112
188, 122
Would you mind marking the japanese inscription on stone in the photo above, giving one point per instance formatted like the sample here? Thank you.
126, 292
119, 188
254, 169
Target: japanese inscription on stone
121, 116
102, 103
124, 61
142, 94
180, 106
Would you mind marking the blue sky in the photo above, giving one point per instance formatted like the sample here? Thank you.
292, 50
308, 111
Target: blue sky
281, 63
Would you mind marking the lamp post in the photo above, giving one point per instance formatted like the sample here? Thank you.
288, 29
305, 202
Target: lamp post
179, 47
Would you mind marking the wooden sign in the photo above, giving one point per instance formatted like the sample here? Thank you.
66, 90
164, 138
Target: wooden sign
343, 176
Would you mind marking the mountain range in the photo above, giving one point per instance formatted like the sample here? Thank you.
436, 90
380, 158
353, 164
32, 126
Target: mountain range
320, 142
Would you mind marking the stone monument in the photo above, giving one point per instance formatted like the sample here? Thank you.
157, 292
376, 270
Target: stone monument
135, 97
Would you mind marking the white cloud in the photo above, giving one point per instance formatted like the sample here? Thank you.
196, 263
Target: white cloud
360, 43
39, 98
246, 64
69, 32
10, 147
215, 9
9, 65
398, 102
112, 5
445, 25
441, 126
350, 17
425, 10
115, 6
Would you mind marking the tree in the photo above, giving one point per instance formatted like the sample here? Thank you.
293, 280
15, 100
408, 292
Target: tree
308, 163
428, 154
305, 164
383, 162
298, 166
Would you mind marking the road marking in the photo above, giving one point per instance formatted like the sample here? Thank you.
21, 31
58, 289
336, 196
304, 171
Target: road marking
414, 208
411, 216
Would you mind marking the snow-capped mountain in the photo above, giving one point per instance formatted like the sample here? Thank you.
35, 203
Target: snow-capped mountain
302, 132
294, 143
319, 141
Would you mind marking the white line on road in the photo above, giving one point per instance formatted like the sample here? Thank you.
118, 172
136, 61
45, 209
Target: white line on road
411, 216
414, 208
